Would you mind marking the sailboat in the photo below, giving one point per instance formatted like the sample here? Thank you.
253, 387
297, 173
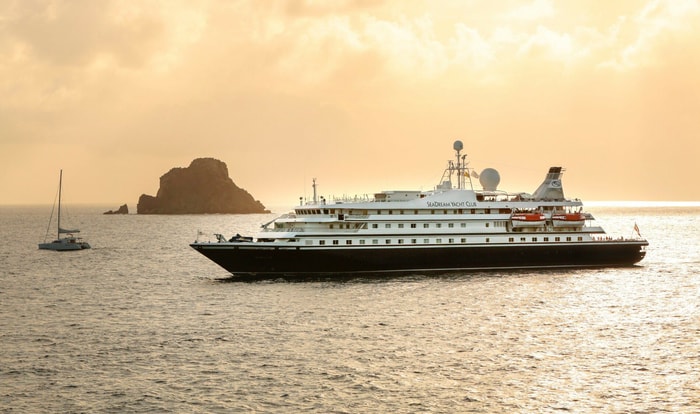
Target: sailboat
69, 241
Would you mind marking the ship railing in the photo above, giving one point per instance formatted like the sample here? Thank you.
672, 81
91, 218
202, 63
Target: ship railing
284, 230
362, 198
350, 217
617, 238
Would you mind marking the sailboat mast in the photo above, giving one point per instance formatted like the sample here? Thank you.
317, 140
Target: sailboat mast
60, 184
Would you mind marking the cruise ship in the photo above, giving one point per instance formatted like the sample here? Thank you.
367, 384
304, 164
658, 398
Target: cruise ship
453, 227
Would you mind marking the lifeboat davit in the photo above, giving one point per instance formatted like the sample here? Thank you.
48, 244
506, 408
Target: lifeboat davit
520, 220
568, 219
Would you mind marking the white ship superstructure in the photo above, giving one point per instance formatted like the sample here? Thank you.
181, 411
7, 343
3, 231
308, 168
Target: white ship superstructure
451, 227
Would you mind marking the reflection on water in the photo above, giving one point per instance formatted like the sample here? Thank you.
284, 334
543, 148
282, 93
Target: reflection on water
142, 323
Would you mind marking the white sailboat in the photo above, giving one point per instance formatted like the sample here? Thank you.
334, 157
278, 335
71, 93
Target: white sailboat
69, 241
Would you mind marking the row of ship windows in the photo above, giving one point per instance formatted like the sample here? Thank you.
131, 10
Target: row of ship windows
436, 241
425, 225
390, 212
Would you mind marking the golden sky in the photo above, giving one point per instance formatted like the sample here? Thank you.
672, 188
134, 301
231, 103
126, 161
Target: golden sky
364, 95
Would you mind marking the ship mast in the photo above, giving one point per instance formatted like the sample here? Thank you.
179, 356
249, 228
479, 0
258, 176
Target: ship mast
462, 170
60, 182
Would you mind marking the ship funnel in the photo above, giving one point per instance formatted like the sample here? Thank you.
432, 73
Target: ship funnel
551, 189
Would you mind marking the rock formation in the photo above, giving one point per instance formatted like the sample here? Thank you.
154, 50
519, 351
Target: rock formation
123, 209
202, 188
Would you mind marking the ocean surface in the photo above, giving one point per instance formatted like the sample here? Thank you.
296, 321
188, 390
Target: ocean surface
143, 323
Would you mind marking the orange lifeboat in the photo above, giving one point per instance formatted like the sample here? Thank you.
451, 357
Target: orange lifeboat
527, 220
568, 219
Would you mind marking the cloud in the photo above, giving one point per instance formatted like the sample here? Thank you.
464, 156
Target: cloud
537, 10
328, 7
75, 33
650, 26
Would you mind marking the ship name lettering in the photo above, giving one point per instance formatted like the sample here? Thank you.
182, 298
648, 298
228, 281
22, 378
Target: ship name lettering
442, 204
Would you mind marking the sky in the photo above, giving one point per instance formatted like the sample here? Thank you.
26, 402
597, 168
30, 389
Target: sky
363, 95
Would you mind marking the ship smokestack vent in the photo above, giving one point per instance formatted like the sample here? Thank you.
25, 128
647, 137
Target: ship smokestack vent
551, 189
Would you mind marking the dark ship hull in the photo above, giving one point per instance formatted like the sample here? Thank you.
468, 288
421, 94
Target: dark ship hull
254, 259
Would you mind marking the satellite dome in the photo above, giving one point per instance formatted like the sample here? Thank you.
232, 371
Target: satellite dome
489, 179
458, 146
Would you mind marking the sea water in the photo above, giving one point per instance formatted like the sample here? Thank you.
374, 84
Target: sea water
143, 323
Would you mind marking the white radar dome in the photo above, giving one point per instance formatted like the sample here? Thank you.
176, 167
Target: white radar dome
489, 179
458, 146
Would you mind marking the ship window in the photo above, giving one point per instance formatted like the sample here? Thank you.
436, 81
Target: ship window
444, 211
387, 241
487, 224
375, 241
413, 225
510, 239
534, 239
364, 212
426, 241
464, 240
557, 239
387, 225
348, 241
321, 242
451, 225
580, 238
391, 211
400, 241
379, 212
438, 225
325, 211
487, 211
332, 211
452, 240
331, 226
375, 225
309, 242
522, 239
400, 225
362, 241
463, 225
432, 211
400, 211
488, 240
415, 211
335, 241
568, 239
472, 211
438, 240
546, 239
413, 241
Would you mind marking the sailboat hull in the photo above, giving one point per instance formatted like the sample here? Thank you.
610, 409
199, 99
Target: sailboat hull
65, 244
